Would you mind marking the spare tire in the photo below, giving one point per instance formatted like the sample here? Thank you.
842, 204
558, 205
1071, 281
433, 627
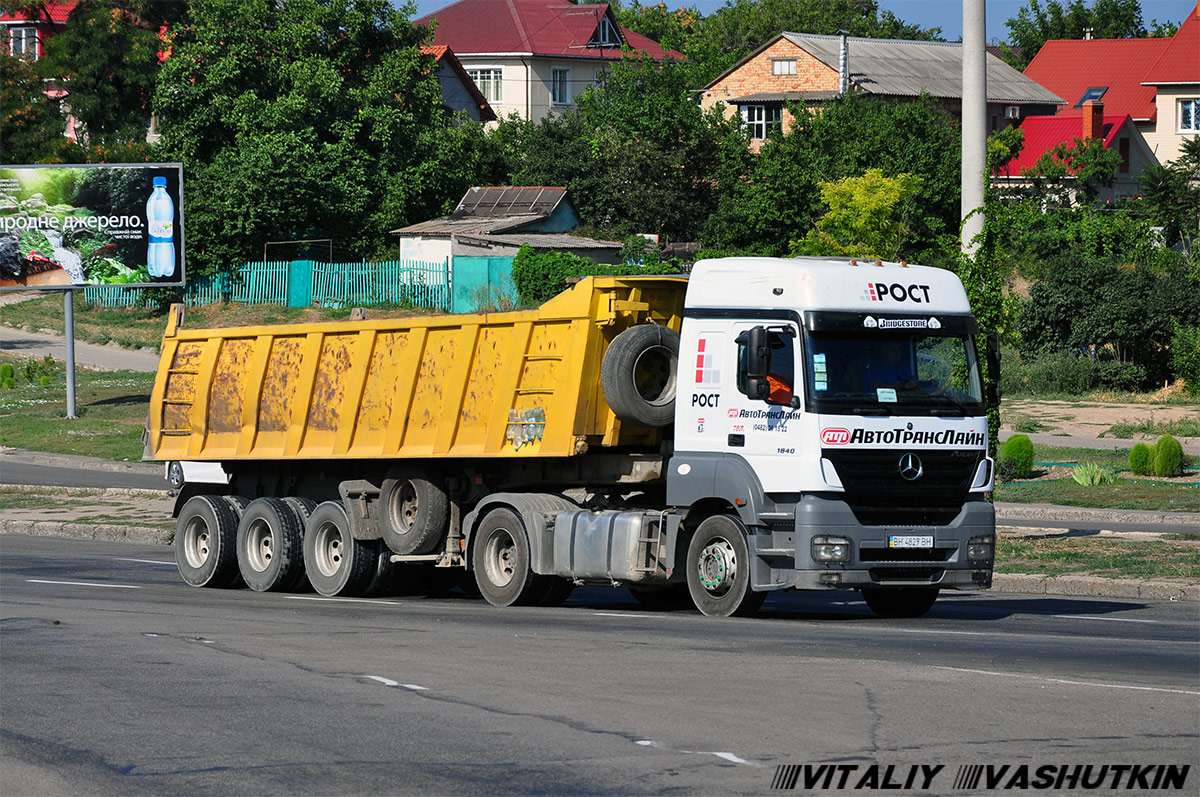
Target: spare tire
638, 375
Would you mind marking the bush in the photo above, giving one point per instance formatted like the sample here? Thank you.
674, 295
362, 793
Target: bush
1018, 455
540, 276
1168, 456
1139, 459
1185, 357
1060, 373
1124, 377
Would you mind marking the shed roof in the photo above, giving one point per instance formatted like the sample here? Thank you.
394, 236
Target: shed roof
1069, 67
544, 240
492, 209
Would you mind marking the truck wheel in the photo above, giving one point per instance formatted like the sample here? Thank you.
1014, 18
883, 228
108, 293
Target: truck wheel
337, 564
416, 513
238, 503
718, 569
500, 557
270, 546
206, 542
637, 375
557, 590
304, 507
894, 602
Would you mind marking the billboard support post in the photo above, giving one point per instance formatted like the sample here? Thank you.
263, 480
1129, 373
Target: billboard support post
69, 332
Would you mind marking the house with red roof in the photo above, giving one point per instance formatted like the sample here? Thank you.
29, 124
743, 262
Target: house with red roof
1119, 132
1156, 82
1175, 77
534, 57
459, 92
25, 31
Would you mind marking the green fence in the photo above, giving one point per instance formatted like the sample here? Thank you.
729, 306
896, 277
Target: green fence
302, 283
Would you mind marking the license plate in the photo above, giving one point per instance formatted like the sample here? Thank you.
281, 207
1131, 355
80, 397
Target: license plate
897, 541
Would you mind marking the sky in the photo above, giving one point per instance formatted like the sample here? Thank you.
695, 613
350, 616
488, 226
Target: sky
946, 14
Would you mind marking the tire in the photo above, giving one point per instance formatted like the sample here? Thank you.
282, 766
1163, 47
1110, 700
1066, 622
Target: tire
304, 507
270, 546
718, 569
500, 557
206, 542
556, 591
416, 513
899, 602
676, 597
336, 563
637, 375
238, 503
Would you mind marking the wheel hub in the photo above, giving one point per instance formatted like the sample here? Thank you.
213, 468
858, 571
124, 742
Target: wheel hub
717, 566
328, 550
195, 543
259, 544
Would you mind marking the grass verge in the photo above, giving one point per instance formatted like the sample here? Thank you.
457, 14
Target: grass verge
118, 508
1153, 560
1124, 494
112, 408
1180, 427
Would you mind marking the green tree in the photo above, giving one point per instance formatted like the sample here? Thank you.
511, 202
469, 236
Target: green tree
32, 123
1034, 25
867, 216
1172, 194
636, 152
779, 199
1076, 169
107, 56
306, 119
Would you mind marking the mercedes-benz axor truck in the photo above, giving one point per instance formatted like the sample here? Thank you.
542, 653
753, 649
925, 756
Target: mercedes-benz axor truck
763, 424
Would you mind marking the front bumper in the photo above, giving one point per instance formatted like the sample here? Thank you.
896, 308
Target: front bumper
873, 564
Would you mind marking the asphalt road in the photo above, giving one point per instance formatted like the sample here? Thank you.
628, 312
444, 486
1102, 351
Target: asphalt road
115, 678
15, 471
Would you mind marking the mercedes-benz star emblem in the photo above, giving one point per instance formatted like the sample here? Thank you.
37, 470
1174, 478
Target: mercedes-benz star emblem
911, 467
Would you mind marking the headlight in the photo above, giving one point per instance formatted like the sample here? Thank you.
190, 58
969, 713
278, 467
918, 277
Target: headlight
830, 549
980, 549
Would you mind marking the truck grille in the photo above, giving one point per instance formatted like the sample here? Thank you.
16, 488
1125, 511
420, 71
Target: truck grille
905, 554
917, 575
880, 496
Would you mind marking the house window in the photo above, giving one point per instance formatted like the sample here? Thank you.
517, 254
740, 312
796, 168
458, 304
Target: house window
762, 121
22, 43
1093, 93
606, 35
1123, 148
1189, 116
560, 86
783, 66
490, 83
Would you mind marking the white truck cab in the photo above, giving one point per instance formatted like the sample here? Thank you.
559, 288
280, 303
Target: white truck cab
838, 405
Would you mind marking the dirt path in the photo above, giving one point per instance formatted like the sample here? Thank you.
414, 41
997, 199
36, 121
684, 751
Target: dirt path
1090, 419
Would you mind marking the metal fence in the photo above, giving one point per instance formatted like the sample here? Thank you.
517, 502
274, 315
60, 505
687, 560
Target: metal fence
304, 283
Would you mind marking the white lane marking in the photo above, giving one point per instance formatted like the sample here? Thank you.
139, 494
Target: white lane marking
1110, 619
726, 756
342, 600
80, 584
143, 561
390, 682
1070, 682
656, 615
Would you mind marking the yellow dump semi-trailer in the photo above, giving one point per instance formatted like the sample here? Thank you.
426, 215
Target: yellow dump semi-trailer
518, 384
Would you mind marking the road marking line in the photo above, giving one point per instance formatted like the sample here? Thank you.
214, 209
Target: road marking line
342, 600
1111, 619
80, 584
656, 615
144, 561
1068, 681
390, 682
726, 756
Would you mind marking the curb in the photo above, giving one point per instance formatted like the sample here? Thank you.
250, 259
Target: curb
1077, 586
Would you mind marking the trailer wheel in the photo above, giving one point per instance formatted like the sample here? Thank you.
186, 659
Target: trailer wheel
337, 564
238, 503
897, 602
718, 569
206, 542
500, 557
304, 507
637, 375
270, 546
416, 513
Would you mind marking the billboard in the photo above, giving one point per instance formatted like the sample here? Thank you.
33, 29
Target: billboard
91, 224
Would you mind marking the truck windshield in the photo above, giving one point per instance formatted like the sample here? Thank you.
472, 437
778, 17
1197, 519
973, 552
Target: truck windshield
875, 373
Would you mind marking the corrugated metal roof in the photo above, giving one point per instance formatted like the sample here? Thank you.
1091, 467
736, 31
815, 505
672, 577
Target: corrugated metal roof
1180, 62
540, 240
910, 68
1045, 132
449, 225
782, 96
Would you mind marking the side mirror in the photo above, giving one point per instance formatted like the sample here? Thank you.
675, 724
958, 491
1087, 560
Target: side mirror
758, 357
992, 388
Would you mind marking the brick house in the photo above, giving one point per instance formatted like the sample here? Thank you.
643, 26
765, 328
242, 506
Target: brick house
534, 57
806, 67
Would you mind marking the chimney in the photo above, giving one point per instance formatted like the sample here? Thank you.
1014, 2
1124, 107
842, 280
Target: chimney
844, 63
1093, 119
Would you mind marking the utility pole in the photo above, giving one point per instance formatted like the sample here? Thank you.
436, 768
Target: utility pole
974, 121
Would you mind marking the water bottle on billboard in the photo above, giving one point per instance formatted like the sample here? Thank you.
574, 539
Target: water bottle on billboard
160, 220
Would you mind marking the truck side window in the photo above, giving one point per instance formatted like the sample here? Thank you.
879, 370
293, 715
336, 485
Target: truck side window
781, 369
